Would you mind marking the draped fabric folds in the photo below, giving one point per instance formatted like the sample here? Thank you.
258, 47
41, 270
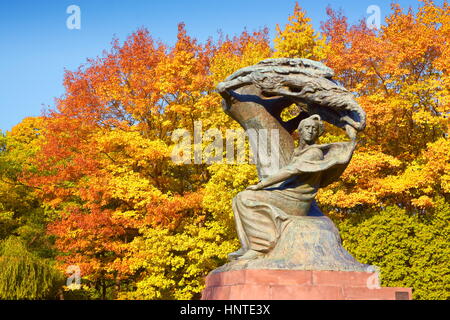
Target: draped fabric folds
262, 215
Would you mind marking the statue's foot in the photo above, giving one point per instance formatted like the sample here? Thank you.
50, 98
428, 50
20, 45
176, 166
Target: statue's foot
237, 254
251, 255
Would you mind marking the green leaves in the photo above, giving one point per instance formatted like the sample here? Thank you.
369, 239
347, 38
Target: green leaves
23, 275
411, 249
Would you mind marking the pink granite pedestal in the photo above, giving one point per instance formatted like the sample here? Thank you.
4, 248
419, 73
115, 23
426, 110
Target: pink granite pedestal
298, 285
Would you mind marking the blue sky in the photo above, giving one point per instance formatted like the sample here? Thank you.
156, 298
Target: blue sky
37, 46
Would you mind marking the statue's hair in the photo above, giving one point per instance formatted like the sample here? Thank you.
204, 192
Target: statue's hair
315, 118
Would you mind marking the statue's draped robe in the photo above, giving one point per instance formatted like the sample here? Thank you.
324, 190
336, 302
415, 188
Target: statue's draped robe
262, 215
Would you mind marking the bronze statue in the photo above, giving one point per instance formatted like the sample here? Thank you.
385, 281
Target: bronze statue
278, 222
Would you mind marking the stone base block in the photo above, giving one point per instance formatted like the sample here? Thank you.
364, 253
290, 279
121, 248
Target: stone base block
298, 285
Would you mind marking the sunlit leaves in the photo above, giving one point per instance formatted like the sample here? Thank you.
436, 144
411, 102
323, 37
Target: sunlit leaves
299, 40
398, 74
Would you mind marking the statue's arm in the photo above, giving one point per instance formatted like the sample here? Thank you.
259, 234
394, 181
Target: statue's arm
289, 171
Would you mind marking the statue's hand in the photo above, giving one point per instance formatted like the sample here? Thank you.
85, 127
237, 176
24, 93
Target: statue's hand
351, 132
254, 188
222, 87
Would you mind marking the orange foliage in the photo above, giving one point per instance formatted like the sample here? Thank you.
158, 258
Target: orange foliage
400, 75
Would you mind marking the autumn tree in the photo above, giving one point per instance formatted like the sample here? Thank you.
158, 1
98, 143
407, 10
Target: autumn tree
181, 258
299, 39
27, 266
398, 77
131, 218
401, 167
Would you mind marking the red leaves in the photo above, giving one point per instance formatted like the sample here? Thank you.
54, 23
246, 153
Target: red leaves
168, 212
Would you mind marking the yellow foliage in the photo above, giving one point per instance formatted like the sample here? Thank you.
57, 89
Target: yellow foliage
299, 40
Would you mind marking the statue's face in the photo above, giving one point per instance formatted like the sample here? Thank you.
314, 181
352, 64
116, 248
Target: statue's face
309, 131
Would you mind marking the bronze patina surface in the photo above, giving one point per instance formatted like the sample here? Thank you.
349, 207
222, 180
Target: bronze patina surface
278, 222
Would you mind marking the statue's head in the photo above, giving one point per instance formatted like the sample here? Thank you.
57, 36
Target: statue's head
311, 129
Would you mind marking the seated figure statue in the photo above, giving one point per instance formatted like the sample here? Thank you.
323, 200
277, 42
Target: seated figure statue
261, 211
278, 222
